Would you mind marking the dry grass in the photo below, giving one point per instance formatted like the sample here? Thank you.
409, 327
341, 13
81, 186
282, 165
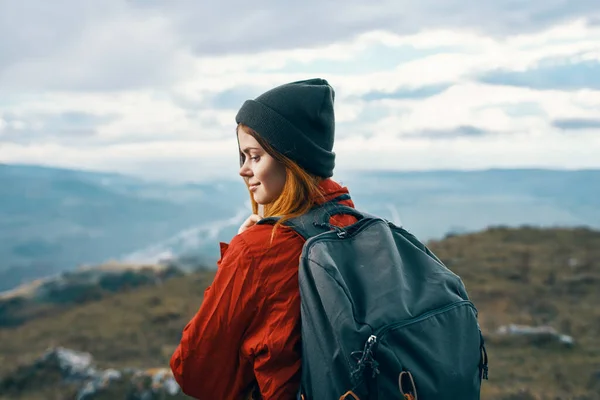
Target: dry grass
525, 276
534, 277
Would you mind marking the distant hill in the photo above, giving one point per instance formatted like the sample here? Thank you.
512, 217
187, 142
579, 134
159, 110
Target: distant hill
44, 297
530, 285
54, 219
433, 203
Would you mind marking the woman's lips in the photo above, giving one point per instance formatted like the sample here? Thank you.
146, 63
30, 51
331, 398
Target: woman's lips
252, 188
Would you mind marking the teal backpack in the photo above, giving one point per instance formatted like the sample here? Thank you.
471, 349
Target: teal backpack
382, 317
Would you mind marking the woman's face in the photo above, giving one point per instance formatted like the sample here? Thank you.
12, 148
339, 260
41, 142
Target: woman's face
264, 175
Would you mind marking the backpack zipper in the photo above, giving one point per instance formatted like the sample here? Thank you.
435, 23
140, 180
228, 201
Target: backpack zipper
375, 338
341, 233
366, 357
380, 333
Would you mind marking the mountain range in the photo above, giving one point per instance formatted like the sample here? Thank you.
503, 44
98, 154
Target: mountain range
54, 220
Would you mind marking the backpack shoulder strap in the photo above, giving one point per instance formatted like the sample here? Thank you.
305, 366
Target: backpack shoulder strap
316, 221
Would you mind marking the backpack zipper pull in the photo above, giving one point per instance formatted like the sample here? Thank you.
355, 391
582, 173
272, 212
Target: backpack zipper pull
366, 358
341, 233
371, 342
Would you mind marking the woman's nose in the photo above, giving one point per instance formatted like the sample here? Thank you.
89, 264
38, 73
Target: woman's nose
245, 171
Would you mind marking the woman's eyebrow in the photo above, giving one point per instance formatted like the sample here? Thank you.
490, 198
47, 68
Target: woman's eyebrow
250, 148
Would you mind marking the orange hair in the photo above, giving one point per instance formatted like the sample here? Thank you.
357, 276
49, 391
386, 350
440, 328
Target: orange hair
300, 191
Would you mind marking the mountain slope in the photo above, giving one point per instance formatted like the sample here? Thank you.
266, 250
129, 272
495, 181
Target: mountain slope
528, 276
432, 203
53, 219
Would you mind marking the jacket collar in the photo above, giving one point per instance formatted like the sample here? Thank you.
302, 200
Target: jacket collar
331, 190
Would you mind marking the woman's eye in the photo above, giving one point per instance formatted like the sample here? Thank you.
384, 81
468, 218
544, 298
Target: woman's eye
255, 158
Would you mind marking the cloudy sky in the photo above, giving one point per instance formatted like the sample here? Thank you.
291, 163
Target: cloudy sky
152, 87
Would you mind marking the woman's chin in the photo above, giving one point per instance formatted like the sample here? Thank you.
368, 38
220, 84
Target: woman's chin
260, 199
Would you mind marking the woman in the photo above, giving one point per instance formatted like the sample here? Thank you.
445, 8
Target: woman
245, 338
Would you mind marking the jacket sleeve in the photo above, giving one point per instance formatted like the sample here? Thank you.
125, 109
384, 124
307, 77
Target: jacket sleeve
208, 362
276, 340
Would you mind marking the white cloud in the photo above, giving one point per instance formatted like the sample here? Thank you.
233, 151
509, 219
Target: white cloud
173, 160
550, 151
162, 91
112, 48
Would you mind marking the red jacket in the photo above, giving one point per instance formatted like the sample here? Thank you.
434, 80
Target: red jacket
247, 330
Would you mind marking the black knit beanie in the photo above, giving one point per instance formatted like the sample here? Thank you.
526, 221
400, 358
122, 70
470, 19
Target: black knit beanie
297, 119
